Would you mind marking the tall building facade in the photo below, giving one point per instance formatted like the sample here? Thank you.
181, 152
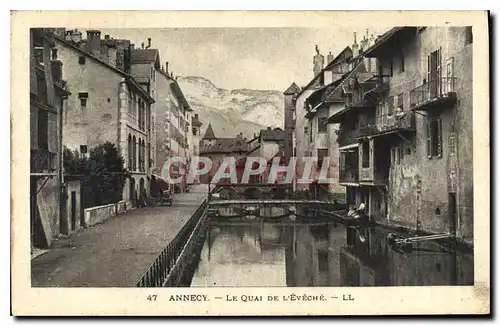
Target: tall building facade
407, 125
48, 94
107, 104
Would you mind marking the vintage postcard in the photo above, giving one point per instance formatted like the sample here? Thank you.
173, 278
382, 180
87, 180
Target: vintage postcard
250, 163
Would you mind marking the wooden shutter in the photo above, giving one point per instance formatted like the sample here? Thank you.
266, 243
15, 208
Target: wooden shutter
439, 138
429, 138
439, 73
34, 127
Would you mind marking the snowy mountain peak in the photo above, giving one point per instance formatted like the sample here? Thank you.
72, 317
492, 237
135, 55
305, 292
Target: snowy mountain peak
233, 111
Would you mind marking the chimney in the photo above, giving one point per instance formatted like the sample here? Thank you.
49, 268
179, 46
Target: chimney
76, 36
94, 42
149, 43
268, 128
162, 68
329, 58
166, 67
142, 45
318, 61
196, 116
106, 37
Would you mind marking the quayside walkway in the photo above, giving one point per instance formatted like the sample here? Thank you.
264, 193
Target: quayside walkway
117, 252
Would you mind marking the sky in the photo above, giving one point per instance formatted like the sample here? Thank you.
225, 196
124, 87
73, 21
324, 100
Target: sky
253, 58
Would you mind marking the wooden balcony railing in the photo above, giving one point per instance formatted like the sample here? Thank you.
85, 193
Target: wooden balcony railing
399, 121
349, 175
433, 92
42, 161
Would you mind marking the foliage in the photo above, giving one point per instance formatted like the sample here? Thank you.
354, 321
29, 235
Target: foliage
103, 173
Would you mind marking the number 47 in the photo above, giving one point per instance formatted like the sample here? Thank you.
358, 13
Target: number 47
152, 297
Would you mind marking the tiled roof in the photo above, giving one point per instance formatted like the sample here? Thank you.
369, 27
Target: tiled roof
144, 55
226, 145
293, 89
209, 133
272, 135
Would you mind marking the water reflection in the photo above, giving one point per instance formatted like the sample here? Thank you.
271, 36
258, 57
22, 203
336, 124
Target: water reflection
326, 254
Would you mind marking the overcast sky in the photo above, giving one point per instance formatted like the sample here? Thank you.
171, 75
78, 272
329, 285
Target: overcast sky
256, 58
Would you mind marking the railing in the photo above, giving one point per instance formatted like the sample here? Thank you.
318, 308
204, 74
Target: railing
42, 160
368, 130
348, 175
347, 137
439, 88
404, 120
164, 270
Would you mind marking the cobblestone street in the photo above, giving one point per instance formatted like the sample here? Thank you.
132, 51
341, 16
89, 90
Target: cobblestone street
117, 252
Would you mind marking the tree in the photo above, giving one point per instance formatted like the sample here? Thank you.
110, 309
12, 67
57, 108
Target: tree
106, 174
103, 173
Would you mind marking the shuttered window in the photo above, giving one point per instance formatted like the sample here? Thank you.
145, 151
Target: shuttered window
434, 138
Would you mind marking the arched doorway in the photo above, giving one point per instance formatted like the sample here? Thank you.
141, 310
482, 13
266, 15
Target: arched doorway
142, 189
132, 189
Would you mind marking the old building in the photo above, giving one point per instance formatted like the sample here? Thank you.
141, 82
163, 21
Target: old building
406, 131
173, 122
107, 103
48, 94
218, 148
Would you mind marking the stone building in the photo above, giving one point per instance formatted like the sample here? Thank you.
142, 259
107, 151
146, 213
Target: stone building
306, 111
217, 148
173, 119
107, 103
406, 145
48, 94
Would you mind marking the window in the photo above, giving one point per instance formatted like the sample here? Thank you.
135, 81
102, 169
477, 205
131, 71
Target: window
43, 129
365, 147
468, 35
322, 126
402, 62
390, 105
295, 151
54, 54
38, 53
306, 130
83, 99
400, 101
81, 60
434, 138
322, 153
396, 155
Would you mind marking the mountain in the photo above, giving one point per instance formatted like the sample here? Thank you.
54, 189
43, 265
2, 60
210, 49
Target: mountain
233, 111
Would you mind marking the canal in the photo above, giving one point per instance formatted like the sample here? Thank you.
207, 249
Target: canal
263, 254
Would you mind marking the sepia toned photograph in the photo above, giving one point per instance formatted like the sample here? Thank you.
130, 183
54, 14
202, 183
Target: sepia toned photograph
272, 165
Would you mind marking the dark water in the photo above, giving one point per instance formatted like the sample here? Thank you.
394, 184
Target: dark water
270, 254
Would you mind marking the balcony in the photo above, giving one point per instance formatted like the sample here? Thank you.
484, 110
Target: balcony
437, 92
349, 175
402, 121
42, 161
347, 137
